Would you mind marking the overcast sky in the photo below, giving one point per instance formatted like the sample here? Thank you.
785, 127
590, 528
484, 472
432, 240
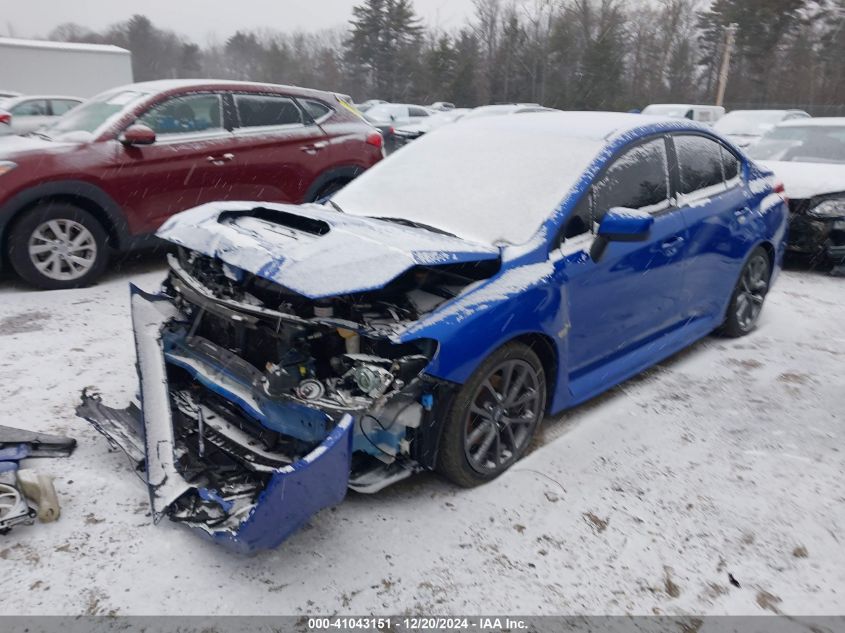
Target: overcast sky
200, 18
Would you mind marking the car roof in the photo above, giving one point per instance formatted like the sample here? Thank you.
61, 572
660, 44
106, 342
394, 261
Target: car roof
684, 105
22, 98
599, 126
169, 85
815, 122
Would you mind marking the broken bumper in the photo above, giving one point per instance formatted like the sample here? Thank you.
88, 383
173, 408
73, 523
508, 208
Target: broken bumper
821, 238
276, 496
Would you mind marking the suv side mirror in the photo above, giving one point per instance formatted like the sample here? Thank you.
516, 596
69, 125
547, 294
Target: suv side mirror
138, 135
621, 225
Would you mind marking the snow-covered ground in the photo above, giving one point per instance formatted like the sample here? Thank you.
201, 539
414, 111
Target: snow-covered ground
725, 462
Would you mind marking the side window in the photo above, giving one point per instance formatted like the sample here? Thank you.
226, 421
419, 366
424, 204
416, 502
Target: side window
60, 106
417, 111
315, 109
185, 115
266, 110
699, 163
638, 179
36, 107
730, 164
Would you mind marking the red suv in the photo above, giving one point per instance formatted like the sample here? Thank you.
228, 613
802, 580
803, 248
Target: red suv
106, 175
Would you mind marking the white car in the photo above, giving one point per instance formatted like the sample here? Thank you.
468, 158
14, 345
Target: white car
702, 113
406, 133
20, 115
808, 155
506, 108
745, 127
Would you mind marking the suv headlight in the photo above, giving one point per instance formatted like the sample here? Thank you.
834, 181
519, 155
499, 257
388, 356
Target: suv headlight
6, 166
830, 208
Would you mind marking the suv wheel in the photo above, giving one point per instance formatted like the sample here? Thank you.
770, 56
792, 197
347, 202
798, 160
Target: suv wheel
57, 246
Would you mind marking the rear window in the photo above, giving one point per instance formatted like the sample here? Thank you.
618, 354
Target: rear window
315, 109
699, 161
267, 110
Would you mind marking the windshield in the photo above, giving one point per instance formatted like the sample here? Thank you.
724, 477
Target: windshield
749, 122
492, 180
81, 122
802, 144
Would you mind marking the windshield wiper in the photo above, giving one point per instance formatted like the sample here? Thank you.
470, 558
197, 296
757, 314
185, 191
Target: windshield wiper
415, 225
335, 205
40, 135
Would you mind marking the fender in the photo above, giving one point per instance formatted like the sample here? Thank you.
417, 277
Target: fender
110, 211
344, 172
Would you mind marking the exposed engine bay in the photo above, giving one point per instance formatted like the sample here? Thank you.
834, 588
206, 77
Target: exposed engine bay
259, 380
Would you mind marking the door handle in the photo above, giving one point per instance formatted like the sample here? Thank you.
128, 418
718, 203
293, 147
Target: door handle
219, 160
670, 247
313, 148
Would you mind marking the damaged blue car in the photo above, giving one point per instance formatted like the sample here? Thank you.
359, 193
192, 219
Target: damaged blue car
433, 311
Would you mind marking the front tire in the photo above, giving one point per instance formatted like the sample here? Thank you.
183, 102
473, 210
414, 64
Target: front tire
493, 417
57, 246
749, 295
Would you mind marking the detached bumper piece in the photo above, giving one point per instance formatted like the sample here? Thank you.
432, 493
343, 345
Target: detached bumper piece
21, 488
822, 239
208, 461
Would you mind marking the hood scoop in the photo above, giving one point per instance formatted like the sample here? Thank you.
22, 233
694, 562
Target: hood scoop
279, 218
315, 251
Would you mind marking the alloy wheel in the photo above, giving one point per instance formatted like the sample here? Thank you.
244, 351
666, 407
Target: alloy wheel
501, 419
62, 249
752, 291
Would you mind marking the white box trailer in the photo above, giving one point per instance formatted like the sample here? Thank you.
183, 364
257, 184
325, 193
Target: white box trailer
81, 70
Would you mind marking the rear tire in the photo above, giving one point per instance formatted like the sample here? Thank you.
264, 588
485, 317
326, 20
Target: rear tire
57, 245
748, 296
493, 417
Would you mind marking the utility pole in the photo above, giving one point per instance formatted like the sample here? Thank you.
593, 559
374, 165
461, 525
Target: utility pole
730, 40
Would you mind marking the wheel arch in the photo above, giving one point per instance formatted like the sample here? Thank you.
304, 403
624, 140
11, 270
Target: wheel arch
343, 173
82, 194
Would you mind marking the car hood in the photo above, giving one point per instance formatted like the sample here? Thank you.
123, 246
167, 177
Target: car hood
805, 180
414, 128
743, 140
313, 250
14, 146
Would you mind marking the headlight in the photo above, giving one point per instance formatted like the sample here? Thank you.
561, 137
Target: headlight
6, 166
831, 208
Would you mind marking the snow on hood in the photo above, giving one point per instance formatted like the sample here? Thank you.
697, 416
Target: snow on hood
805, 180
13, 145
330, 254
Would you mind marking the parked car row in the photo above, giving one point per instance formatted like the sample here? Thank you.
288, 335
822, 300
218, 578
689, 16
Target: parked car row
21, 114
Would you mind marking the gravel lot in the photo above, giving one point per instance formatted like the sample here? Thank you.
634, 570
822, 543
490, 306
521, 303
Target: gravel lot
712, 484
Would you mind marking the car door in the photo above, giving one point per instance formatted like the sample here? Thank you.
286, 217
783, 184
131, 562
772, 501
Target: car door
29, 115
279, 151
632, 294
713, 200
189, 163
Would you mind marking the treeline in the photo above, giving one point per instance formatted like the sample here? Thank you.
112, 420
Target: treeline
571, 54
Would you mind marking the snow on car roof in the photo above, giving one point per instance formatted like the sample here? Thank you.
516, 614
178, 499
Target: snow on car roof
492, 179
815, 122
163, 85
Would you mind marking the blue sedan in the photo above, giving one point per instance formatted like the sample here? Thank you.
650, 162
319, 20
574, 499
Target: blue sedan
433, 311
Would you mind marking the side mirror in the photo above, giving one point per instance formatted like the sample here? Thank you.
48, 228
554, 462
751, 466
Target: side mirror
621, 225
138, 135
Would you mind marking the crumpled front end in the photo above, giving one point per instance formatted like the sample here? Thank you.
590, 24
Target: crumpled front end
206, 463
261, 405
